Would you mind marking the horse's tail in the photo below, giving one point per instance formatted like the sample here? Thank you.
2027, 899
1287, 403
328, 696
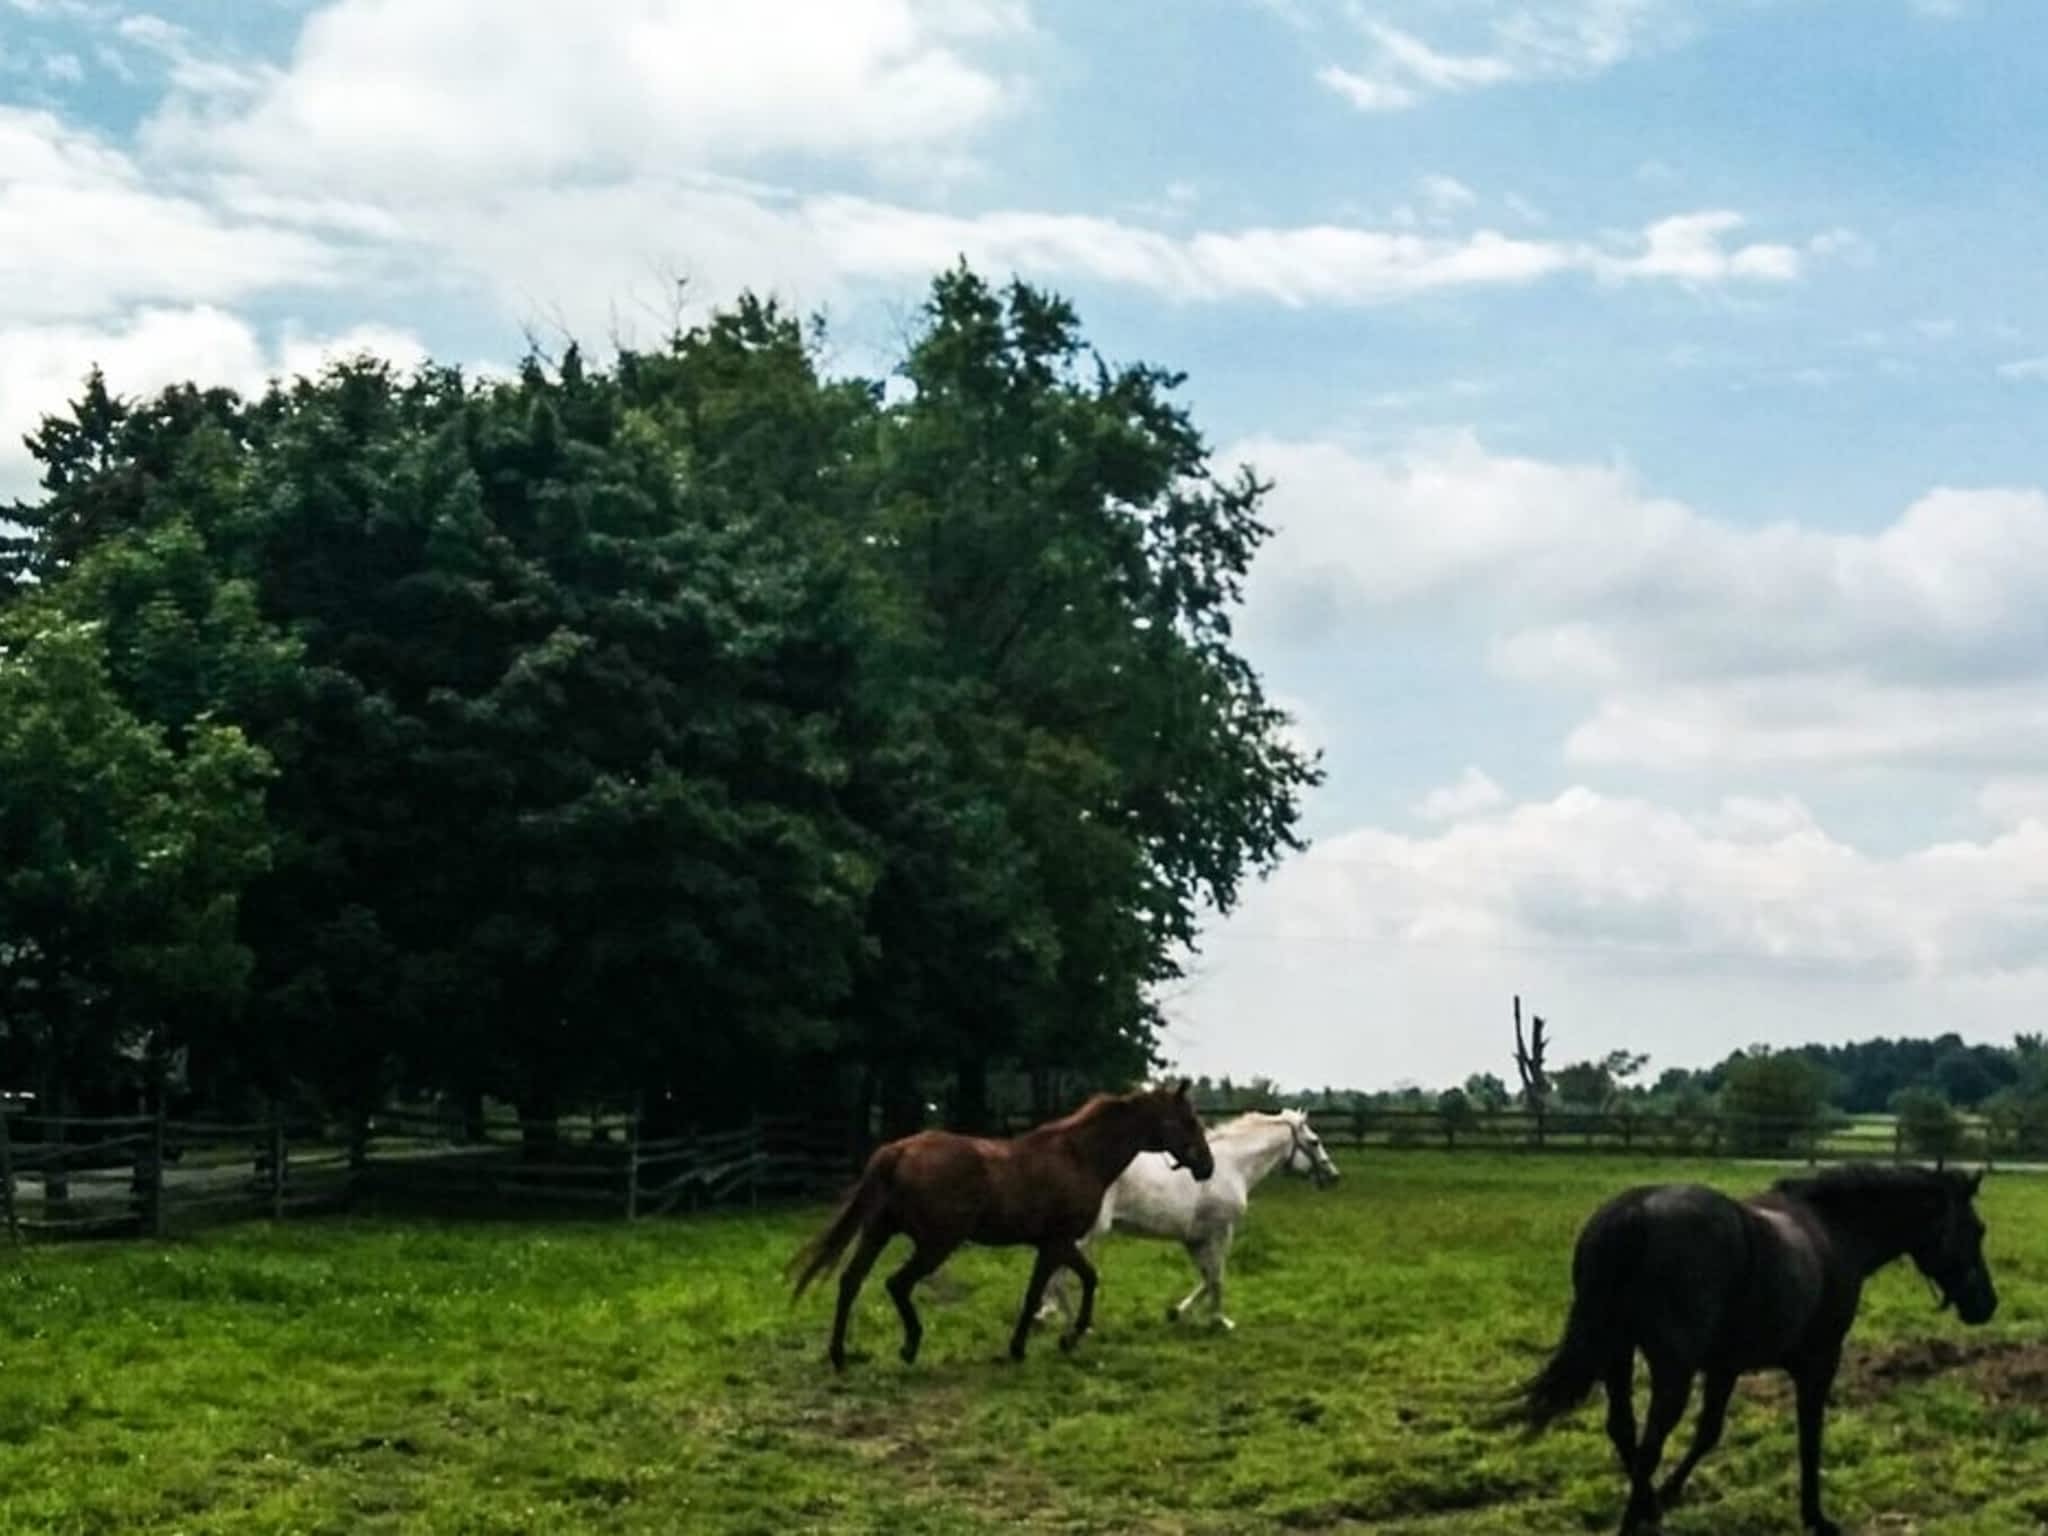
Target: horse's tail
821, 1254
1595, 1331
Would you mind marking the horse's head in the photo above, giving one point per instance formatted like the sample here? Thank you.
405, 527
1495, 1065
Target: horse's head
1173, 1127
1308, 1155
1950, 1250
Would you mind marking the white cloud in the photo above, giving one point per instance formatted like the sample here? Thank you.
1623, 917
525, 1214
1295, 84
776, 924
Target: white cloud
1691, 248
1818, 719
573, 250
1752, 884
1626, 924
2026, 369
2008, 802
1472, 794
83, 231
1704, 644
1446, 194
1366, 93
42, 366
420, 96
1505, 42
506, 146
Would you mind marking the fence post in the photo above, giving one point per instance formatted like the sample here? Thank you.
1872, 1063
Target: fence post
633, 1163
158, 1126
7, 1179
358, 1150
56, 1161
277, 1163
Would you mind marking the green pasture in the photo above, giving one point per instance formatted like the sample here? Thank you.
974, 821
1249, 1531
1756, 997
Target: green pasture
371, 1375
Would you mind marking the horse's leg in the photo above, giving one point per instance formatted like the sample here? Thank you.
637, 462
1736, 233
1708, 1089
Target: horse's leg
927, 1257
873, 1239
1173, 1312
1056, 1288
1706, 1434
1049, 1259
1621, 1409
1813, 1383
1219, 1255
1086, 1272
1670, 1386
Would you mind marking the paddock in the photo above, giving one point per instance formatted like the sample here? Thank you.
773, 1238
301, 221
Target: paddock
383, 1374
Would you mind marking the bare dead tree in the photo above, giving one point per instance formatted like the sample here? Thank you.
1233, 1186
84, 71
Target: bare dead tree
1529, 1065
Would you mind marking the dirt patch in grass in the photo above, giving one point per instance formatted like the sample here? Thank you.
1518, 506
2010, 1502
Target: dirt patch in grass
2002, 1371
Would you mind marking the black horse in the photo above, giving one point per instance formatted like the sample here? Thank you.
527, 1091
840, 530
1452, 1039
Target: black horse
1706, 1285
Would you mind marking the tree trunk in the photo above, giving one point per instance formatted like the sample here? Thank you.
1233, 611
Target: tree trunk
902, 1104
539, 1135
860, 1120
1044, 1094
970, 1098
55, 1105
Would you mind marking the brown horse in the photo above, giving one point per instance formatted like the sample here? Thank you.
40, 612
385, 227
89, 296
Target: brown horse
1039, 1190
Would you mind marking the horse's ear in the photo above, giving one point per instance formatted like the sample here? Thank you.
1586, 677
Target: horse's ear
1181, 1092
1976, 1180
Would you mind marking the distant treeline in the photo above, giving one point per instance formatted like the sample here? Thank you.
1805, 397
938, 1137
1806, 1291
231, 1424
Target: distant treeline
1929, 1084
1862, 1078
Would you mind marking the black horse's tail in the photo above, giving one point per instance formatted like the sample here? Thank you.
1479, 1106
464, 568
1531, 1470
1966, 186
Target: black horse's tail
1596, 1330
821, 1254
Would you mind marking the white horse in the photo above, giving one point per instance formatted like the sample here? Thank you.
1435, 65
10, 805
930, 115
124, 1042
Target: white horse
1152, 1198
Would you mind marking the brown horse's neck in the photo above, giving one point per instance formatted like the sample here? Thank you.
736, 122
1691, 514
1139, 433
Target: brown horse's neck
1105, 1135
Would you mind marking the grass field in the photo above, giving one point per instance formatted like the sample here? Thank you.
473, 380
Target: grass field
370, 1376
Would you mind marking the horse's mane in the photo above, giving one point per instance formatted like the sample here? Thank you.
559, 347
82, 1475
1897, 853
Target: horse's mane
1854, 1181
1090, 1107
1237, 1125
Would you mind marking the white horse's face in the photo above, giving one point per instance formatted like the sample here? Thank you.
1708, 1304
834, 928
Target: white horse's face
1308, 1155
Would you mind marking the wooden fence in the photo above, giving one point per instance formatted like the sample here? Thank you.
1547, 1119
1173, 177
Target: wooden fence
145, 1175
1827, 1139
71, 1177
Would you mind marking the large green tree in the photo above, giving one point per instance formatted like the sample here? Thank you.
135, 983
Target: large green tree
124, 852
1070, 562
700, 726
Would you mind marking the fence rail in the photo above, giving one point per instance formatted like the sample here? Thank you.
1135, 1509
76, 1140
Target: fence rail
64, 1177
1828, 1138
77, 1176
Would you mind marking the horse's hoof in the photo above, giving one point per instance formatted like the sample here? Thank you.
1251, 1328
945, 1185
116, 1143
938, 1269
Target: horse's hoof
909, 1354
1068, 1341
1823, 1527
838, 1362
1172, 1313
1226, 1325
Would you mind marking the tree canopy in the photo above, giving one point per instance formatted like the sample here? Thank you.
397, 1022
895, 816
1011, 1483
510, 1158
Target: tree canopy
699, 725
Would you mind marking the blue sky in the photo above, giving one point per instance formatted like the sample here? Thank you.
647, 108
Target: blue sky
1653, 390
